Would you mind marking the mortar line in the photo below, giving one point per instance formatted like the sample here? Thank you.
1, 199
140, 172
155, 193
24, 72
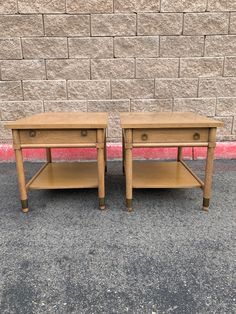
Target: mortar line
22, 90
90, 68
179, 68
204, 46
17, 6
46, 73
154, 93
21, 47
67, 98
44, 30
113, 46
223, 66
44, 105
90, 24
172, 104
67, 43
198, 87
111, 90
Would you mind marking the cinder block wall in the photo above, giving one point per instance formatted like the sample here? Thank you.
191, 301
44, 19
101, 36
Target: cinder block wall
118, 55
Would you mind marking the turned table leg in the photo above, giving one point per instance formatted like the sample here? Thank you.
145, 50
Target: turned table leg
20, 171
123, 152
21, 180
105, 150
129, 169
209, 169
101, 168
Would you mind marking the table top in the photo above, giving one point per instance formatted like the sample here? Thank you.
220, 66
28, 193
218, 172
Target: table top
158, 120
62, 120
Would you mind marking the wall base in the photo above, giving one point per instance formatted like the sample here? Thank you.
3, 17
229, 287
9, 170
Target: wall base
224, 150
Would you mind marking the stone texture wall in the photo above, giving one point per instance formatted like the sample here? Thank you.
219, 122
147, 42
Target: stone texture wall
118, 55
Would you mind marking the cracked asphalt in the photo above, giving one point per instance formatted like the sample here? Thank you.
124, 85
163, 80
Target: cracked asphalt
168, 256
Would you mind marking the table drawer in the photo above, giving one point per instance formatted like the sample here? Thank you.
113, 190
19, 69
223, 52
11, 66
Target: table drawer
170, 135
57, 136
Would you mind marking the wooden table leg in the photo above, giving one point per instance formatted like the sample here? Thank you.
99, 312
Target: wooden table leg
105, 150
180, 153
20, 171
49, 154
123, 152
129, 169
101, 168
21, 180
209, 169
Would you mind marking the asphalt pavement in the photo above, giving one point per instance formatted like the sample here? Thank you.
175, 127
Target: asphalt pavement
168, 256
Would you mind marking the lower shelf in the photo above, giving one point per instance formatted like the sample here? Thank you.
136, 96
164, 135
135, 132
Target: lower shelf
66, 176
154, 174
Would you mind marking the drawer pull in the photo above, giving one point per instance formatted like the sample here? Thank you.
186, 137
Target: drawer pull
144, 137
84, 132
32, 133
196, 136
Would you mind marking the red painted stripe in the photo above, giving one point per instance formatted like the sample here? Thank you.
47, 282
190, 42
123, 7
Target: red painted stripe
224, 150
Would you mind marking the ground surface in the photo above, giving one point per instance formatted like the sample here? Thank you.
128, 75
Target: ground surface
168, 256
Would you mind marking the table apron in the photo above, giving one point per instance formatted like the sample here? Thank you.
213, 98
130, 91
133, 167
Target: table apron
169, 136
57, 138
190, 144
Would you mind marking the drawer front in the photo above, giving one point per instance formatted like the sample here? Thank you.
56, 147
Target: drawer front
170, 135
57, 136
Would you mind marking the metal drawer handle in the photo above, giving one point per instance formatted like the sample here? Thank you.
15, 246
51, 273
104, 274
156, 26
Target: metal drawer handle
196, 136
32, 133
144, 137
84, 132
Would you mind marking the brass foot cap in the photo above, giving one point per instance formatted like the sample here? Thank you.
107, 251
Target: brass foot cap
102, 207
205, 209
130, 209
25, 210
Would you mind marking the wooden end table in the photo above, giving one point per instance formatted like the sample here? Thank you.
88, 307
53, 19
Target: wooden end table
54, 130
149, 129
